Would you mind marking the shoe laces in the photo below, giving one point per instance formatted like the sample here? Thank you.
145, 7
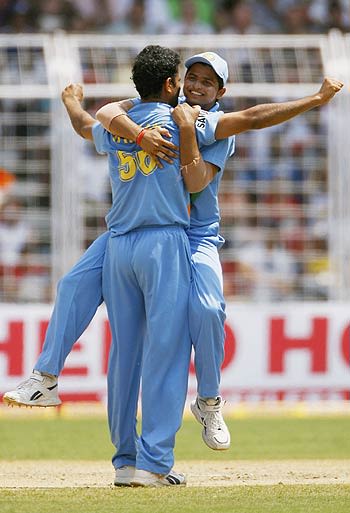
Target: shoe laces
214, 420
27, 382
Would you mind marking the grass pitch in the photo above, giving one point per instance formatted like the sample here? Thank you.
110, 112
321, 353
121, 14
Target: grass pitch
252, 439
250, 499
258, 439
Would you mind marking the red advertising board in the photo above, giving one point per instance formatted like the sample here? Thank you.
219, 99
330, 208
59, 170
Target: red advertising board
289, 351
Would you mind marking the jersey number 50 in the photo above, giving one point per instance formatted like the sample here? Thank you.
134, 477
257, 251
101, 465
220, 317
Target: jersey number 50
130, 163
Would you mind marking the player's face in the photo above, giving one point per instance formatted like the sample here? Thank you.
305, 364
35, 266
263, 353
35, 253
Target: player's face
201, 86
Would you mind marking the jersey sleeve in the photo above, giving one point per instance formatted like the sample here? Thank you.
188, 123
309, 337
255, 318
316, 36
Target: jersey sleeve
206, 125
135, 101
218, 152
103, 140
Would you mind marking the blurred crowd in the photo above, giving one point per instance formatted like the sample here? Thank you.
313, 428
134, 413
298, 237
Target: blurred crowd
274, 195
175, 16
274, 206
273, 199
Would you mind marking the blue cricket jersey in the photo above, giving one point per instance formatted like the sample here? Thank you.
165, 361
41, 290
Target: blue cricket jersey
143, 194
205, 213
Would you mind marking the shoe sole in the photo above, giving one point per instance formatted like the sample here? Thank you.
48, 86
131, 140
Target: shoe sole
135, 484
197, 416
138, 484
216, 448
126, 483
12, 403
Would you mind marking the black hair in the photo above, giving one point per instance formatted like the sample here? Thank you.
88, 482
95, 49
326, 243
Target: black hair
221, 82
153, 65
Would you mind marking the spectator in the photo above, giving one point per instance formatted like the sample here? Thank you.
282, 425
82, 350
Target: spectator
295, 17
296, 143
57, 14
93, 14
6, 10
143, 17
328, 14
189, 21
21, 277
240, 18
319, 276
116, 10
14, 235
267, 16
18, 16
7, 181
157, 16
133, 23
267, 270
14, 232
205, 9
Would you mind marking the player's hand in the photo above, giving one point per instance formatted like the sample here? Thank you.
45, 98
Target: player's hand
74, 91
328, 89
155, 144
185, 115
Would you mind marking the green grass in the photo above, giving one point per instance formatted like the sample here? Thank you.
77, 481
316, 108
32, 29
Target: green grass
259, 438
252, 439
248, 499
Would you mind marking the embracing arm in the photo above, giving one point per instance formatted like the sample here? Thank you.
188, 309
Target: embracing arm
114, 118
82, 122
197, 173
269, 114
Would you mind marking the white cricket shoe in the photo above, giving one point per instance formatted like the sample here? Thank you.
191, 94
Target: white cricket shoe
149, 479
208, 413
38, 390
124, 475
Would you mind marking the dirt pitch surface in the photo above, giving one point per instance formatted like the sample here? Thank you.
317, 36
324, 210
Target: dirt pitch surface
75, 474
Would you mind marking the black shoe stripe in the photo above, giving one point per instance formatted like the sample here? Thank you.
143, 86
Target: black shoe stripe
36, 395
54, 386
173, 480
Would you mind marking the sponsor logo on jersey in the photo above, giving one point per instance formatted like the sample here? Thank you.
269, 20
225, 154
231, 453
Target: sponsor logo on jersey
202, 119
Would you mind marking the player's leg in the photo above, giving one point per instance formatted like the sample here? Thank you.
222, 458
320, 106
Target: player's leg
165, 282
125, 306
79, 294
207, 317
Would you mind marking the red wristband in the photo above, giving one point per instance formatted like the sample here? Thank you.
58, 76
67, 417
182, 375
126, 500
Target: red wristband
140, 136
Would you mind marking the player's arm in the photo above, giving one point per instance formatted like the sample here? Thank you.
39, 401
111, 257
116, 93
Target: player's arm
82, 121
197, 173
123, 127
265, 115
114, 118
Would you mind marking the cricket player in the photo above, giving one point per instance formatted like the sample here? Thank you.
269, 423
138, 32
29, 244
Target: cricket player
209, 322
204, 83
207, 305
199, 90
146, 276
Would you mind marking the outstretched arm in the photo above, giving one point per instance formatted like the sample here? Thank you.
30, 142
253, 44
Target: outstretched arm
114, 118
82, 122
269, 114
